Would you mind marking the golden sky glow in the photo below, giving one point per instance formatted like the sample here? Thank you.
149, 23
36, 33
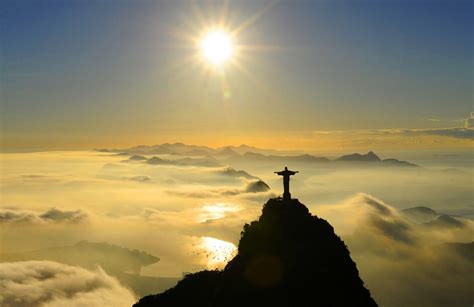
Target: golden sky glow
88, 87
230, 73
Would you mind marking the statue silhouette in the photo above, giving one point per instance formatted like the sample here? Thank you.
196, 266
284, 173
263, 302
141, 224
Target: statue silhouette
286, 182
287, 257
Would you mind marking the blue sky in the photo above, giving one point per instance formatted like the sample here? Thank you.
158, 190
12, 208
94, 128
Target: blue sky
100, 70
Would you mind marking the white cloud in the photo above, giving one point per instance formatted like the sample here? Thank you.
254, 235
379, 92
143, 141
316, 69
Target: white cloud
402, 263
52, 284
148, 217
52, 215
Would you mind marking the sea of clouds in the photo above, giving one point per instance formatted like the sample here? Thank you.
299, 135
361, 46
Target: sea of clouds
59, 198
52, 284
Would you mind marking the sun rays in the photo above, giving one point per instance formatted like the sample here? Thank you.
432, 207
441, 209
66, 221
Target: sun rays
214, 45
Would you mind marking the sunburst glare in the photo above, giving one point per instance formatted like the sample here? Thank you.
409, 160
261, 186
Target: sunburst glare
218, 42
216, 47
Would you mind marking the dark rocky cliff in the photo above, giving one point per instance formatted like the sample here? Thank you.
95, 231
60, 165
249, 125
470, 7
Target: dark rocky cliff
286, 258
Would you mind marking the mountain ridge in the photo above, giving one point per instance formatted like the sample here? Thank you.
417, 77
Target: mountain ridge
287, 257
212, 157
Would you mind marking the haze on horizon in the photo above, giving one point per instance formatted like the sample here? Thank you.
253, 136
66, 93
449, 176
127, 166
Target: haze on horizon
190, 213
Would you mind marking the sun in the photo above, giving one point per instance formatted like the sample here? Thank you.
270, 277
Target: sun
217, 47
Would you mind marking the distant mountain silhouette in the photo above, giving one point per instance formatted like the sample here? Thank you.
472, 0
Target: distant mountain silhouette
258, 157
197, 152
137, 158
226, 153
257, 186
428, 217
190, 150
229, 171
368, 157
420, 214
445, 221
235, 155
286, 258
372, 157
395, 162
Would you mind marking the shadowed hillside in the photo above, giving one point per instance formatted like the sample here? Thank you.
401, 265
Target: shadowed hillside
286, 258
110, 257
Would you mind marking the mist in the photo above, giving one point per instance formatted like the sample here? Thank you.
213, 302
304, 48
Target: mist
190, 216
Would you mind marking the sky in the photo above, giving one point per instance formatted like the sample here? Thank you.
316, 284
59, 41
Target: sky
84, 74
327, 77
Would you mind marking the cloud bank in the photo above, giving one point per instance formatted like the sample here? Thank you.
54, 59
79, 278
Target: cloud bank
52, 284
403, 263
169, 215
52, 215
461, 133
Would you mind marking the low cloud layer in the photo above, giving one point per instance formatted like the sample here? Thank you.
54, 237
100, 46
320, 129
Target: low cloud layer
466, 132
229, 171
386, 221
52, 284
404, 263
52, 215
252, 186
461, 133
170, 214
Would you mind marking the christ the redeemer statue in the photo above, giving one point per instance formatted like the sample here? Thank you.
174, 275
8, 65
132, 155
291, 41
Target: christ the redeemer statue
286, 182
